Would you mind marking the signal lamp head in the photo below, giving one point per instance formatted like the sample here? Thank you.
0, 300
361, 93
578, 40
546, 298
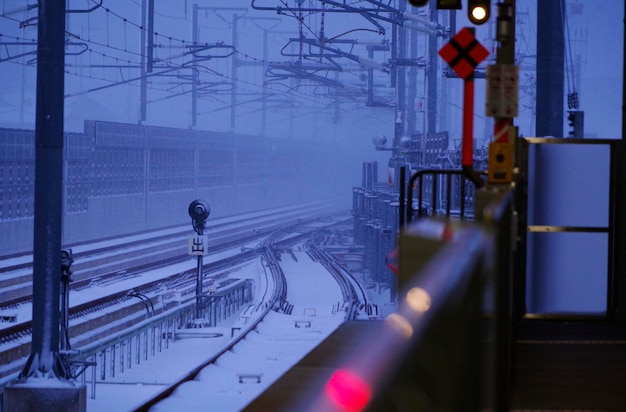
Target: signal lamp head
418, 3
199, 210
478, 11
66, 259
449, 5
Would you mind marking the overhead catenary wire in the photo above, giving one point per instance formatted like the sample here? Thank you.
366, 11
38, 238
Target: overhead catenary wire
109, 34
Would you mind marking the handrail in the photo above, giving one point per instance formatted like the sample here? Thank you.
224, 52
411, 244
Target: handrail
369, 365
496, 210
444, 348
420, 175
77, 356
98, 346
498, 217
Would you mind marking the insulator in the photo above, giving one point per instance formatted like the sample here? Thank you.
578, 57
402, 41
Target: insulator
372, 64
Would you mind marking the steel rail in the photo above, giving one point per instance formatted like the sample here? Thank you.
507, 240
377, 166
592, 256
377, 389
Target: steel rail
248, 229
268, 251
278, 294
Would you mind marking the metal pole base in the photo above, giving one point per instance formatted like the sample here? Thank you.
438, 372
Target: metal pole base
39, 395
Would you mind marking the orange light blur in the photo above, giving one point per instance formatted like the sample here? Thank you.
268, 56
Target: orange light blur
400, 325
418, 299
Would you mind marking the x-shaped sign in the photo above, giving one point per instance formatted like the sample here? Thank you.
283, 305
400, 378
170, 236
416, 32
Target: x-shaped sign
463, 53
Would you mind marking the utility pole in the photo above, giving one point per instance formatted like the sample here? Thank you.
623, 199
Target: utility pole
195, 75
411, 119
550, 68
400, 80
433, 58
233, 74
45, 383
264, 91
143, 87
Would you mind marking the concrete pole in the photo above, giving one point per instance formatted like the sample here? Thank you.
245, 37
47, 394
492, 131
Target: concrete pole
233, 74
400, 116
143, 88
550, 68
48, 184
195, 75
433, 58
53, 390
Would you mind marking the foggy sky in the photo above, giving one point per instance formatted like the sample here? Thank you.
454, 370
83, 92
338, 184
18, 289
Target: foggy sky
295, 109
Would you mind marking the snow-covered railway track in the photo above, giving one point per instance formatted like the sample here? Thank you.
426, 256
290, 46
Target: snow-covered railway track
131, 254
305, 308
132, 305
118, 310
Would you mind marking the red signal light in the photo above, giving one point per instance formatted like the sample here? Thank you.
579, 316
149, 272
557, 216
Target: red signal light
348, 391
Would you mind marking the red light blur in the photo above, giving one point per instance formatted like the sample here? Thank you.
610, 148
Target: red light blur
348, 391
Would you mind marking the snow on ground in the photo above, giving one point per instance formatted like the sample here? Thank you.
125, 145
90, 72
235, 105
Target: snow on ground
24, 311
310, 287
279, 342
145, 380
135, 385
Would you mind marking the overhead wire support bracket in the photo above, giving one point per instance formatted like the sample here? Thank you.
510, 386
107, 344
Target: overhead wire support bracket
196, 49
28, 22
97, 6
17, 56
295, 71
83, 47
372, 14
334, 52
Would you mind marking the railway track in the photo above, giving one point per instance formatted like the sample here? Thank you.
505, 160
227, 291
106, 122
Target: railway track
278, 312
123, 304
137, 253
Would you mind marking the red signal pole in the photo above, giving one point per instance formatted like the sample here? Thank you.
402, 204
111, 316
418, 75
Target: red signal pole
468, 122
463, 53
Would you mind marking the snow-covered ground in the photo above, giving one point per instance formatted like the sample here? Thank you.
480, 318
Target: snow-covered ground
279, 342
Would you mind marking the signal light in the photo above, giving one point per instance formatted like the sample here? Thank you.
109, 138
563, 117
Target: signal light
199, 211
418, 3
576, 121
348, 391
478, 11
66, 259
449, 5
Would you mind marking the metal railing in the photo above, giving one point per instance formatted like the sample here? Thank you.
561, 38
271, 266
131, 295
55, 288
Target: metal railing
459, 197
106, 358
447, 345
152, 335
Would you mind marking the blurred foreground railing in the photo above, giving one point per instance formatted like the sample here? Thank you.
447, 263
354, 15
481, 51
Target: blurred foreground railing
446, 348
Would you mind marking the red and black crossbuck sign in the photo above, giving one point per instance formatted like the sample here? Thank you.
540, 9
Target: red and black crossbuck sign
463, 53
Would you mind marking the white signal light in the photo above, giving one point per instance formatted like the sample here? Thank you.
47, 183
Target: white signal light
479, 13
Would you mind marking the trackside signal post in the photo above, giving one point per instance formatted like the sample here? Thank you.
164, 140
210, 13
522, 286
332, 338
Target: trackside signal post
199, 212
502, 97
463, 53
502, 104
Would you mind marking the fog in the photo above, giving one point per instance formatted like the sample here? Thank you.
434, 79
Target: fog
233, 93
